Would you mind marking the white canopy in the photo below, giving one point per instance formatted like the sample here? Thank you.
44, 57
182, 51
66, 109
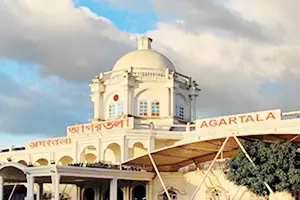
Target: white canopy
172, 158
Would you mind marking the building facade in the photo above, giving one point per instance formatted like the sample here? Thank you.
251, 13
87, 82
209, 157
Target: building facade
141, 105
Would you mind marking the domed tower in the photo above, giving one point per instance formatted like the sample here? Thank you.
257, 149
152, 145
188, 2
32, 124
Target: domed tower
145, 85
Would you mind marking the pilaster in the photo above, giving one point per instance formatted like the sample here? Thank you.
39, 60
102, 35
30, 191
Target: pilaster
124, 149
99, 150
75, 152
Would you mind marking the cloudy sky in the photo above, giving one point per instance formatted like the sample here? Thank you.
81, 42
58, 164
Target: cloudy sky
244, 54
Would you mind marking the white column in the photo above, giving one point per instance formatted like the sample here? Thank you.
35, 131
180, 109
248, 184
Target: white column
1, 187
171, 96
55, 185
30, 187
113, 189
126, 195
149, 190
126, 100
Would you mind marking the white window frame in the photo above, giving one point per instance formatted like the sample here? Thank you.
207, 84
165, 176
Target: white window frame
120, 111
179, 111
112, 111
143, 108
155, 108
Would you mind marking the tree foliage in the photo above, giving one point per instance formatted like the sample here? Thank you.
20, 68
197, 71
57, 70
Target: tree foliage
277, 164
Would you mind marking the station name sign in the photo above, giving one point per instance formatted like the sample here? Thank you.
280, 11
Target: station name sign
242, 119
97, 127
50, 143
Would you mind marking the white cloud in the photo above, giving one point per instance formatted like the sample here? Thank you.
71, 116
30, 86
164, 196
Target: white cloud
63, 40
237, 52
245, 56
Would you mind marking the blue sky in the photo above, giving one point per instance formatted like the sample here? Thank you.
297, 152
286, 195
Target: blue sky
244, 58
24, 73
129, 20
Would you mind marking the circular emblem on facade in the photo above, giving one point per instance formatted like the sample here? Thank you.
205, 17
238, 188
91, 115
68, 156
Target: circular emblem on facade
116, 97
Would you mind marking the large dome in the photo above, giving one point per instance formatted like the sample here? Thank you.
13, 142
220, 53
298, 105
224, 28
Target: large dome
143, 58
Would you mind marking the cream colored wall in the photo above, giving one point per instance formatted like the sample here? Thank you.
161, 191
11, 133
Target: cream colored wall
149, 92
113, 153
161, 143
138, 149
162, 139
108, 98
185, 184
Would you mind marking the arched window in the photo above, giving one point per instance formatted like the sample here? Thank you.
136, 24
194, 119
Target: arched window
179, 111
155, 108
172, 193
115, 110
120, 109
112, 111
143, 108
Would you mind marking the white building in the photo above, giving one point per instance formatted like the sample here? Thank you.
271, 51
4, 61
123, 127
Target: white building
141, 105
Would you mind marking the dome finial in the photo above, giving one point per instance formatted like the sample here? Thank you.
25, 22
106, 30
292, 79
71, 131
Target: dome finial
144, 42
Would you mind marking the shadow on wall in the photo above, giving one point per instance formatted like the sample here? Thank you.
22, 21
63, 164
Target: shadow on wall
113, 153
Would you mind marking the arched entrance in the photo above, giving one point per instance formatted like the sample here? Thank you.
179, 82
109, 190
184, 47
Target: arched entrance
139, 192
89, 194
14, 173
106, 195
120, 194
19, 192
113, 153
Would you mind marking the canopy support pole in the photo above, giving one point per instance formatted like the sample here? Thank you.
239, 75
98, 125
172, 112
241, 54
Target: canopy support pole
198, 170
159, 176
209, 169
248, 157
12, 192
294, 138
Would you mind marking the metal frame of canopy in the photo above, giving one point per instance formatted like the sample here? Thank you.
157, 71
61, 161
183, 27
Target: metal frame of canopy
178, 156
